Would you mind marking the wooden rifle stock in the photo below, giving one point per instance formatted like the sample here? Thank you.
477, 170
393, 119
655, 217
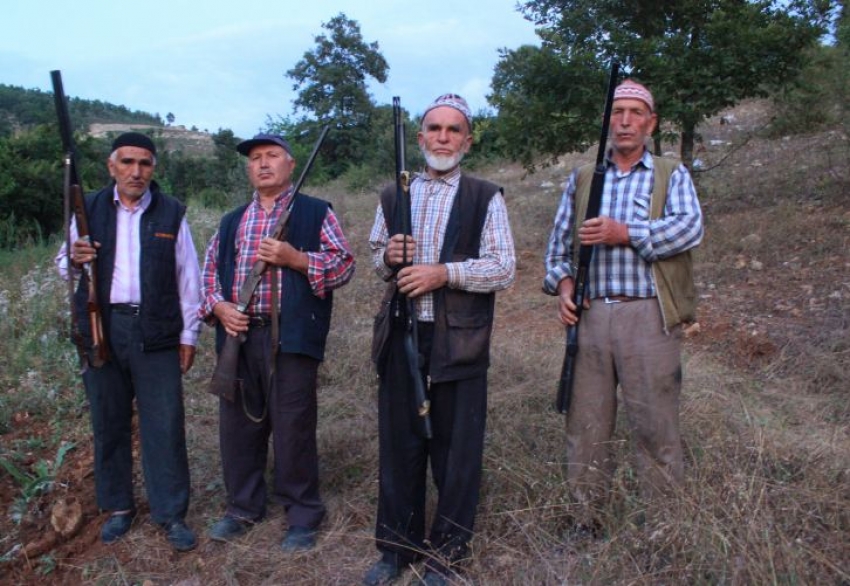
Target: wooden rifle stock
224, 379
73, 198
405, 304
565, 385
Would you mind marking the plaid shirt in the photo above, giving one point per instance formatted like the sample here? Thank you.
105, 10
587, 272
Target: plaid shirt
431, 204
627, 270
329, 268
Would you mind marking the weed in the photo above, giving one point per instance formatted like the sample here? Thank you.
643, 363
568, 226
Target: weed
34, 483
46, 565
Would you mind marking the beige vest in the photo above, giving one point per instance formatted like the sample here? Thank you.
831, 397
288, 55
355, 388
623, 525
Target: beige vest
674, 276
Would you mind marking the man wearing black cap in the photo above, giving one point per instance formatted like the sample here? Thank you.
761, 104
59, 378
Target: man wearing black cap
149, 288
278, 361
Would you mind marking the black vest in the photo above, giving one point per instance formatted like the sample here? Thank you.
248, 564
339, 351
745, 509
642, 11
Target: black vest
463, 321
305, 319
160, 315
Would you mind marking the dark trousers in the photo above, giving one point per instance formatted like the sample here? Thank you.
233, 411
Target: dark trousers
154, 380
458, 418
291, 414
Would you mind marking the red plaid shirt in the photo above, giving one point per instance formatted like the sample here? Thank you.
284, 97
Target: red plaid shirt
329, 268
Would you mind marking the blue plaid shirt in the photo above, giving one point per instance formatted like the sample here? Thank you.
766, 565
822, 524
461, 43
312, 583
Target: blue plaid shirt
627, 270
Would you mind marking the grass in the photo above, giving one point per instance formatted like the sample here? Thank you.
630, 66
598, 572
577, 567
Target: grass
765, 419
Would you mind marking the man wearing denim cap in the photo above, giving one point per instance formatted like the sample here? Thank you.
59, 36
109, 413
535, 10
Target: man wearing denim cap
641, 291
462, 252
279, 360
149, 291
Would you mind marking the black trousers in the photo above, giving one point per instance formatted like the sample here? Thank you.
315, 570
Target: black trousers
154, 380
290, 419
458, 418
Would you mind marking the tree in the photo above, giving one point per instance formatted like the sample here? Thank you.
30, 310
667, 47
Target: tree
331, 84
547, 105
697, 56
31, 176
169, 118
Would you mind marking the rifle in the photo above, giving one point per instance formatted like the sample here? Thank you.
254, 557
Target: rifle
585, 254
405, 305
73, 198
223, 383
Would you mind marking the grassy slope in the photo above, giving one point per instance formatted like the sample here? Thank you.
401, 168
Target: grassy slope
765, 420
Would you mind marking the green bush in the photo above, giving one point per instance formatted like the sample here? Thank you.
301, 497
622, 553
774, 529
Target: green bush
211, 197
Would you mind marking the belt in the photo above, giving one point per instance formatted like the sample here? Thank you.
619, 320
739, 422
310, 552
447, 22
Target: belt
621, 298
261, 320
126, 308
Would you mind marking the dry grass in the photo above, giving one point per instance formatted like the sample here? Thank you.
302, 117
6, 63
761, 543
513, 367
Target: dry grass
765, 423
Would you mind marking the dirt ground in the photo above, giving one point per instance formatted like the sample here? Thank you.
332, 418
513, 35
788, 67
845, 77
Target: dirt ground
753, 310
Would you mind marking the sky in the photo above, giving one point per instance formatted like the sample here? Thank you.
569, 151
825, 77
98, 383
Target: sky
222, 64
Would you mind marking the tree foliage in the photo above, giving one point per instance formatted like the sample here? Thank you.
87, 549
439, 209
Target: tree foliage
221, 178
331, 80
819, 97
697, 56
31, 182
547, 105
22, 109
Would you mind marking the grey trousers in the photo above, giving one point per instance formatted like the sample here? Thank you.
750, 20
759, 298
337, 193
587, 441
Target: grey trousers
624, 344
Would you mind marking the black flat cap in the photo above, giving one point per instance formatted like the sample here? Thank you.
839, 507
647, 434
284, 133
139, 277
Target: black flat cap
134, 139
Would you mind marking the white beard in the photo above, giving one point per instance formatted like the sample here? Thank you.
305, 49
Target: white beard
441, 164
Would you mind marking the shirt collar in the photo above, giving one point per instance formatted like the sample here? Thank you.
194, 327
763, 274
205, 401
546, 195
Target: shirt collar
452, 178
645, 159
281, 198
144, 202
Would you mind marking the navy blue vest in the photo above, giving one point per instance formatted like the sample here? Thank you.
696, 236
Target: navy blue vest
304, 318
161, 316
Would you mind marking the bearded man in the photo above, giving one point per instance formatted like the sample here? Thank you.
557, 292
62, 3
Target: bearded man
462, 252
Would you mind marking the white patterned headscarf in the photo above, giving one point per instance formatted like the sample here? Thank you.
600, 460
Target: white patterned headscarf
631, 89
452, 101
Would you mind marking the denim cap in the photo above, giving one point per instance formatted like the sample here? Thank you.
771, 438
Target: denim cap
245, 146
452, 101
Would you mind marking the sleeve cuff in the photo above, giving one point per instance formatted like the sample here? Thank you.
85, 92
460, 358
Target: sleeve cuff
189, 338
454, 275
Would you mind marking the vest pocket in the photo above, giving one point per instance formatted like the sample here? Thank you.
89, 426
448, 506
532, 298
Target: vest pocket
468, 336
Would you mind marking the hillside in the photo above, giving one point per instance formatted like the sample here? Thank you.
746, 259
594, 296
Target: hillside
22, 108
177, 138
765, 416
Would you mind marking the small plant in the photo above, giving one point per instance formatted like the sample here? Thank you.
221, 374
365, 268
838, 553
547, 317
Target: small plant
37, 482
46, 564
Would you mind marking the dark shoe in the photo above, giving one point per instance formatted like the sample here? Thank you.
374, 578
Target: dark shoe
298, 539
381, 572
116, 526
180, 536
228, 528
432, 578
